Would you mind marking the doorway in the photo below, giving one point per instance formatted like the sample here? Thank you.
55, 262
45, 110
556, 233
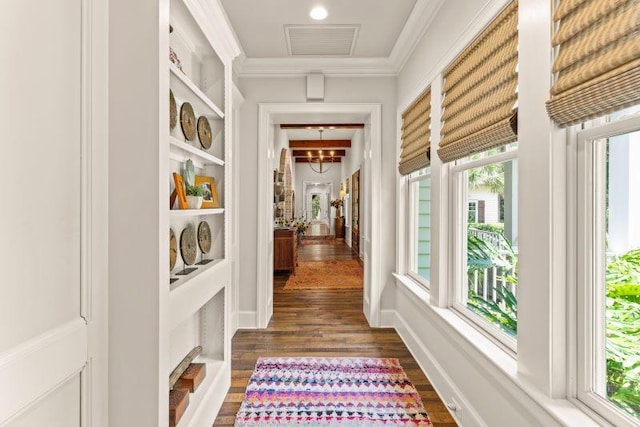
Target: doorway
370, 115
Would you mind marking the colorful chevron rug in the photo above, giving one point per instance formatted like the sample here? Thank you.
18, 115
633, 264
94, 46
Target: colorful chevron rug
330, 392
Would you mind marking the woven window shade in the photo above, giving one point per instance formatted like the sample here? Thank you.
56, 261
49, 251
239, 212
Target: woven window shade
598, 60
480, 91
416, 135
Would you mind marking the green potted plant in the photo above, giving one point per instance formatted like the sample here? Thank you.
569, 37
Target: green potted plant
194, 196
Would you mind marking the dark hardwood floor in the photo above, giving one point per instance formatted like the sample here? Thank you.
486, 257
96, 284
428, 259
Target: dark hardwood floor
321, 323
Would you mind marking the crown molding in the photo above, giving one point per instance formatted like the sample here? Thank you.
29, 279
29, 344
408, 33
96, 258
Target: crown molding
419, 20
291, 67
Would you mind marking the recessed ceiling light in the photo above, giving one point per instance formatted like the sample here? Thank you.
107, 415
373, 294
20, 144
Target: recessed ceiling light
318, 13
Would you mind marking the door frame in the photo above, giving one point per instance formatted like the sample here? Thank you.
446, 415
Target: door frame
306, 189
371, 220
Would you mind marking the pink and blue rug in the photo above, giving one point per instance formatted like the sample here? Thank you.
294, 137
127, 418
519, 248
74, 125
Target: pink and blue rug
330, 392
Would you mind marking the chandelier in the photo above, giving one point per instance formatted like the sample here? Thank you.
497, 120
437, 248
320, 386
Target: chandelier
321, 158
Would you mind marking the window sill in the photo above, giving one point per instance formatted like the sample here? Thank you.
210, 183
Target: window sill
465, 335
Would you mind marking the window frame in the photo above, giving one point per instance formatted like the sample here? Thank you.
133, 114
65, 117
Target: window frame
589, 286
458, 219
412, 226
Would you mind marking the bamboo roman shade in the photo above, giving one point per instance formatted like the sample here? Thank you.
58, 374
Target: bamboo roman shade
598, 60
416, 135
480, 91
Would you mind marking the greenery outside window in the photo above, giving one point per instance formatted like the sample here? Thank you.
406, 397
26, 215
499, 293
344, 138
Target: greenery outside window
419, 230
486, 242
608, 281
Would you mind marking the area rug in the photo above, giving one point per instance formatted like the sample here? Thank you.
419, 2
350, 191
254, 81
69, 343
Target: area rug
330, 392
335, 274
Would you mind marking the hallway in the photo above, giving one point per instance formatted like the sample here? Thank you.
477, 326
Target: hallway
321, 323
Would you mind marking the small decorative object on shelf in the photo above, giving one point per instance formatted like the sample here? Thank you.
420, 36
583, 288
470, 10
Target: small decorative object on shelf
188, 249
204, 241
178, 402
173, 57
204, 132
210, 197
173, 249
182, 197
183, 365
189, 173
173, 111
188, 121
192, 377
195, 195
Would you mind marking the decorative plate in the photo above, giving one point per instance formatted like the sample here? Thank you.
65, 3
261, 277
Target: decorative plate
204, 237
204, 132
188, 245
173, 111
173, 249
188, 121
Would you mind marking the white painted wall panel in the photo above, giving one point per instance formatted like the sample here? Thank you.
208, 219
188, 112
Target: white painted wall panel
40, 118
59, 409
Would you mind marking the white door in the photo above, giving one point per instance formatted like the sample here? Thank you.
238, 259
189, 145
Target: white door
45, 257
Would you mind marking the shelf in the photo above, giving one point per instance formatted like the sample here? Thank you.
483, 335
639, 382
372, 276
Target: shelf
189, 293
208, 398
184, 89
195, 212
183, 148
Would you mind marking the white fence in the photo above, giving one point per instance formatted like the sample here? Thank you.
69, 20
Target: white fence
488, 283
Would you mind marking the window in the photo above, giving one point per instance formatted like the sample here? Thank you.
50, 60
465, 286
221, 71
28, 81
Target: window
486, 238
608, 285
419, 229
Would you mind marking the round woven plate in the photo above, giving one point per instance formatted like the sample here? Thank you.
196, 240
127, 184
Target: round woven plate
173, 249
204, 237
204, 132
173, 111
188, 245
188, 121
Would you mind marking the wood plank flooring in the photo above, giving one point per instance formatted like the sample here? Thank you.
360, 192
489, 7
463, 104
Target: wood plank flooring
321, 323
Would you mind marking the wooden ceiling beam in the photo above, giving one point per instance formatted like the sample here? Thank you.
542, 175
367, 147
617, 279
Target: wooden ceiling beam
322, 126
326, 161
317, 143
315, 153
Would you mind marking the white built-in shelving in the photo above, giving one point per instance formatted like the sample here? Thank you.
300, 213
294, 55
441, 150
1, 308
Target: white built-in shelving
195, 212
184, 88
198, 302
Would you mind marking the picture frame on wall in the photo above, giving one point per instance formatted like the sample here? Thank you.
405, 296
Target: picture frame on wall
210, 198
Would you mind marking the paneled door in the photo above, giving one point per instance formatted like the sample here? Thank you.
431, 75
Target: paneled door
47, 256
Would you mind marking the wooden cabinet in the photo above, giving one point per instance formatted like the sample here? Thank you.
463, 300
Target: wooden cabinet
338, 226
285, 250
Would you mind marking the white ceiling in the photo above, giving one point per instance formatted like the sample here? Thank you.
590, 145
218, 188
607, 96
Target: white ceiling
260, 24
387, 31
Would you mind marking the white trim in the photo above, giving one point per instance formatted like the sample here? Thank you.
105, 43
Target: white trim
39, 366
489, 160
488, 358
221, 37
589, 283
372, 219
478, 23
247, 320
423, 13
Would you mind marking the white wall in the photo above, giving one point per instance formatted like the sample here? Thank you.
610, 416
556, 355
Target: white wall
293, 90
486, 384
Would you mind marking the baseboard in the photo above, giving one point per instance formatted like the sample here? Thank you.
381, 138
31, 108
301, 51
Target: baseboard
247, 320
465, 415
387, 318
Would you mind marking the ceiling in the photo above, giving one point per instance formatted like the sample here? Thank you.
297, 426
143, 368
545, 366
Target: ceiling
357, 37
328, 134
260, 25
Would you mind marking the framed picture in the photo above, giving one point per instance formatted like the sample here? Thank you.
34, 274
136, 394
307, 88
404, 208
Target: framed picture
210, 198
